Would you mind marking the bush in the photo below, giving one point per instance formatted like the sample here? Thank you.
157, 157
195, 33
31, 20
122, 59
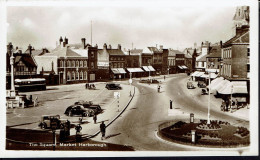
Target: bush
242, 131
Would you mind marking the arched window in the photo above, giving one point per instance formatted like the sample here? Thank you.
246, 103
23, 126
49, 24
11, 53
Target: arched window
73, 64
85, 64
81, 75
68, 63
77, 75
68, 76
77, 63
81, 64
73, 76
86, 75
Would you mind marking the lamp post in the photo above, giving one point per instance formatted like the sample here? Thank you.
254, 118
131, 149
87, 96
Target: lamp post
130, 81
208, 121
12, 71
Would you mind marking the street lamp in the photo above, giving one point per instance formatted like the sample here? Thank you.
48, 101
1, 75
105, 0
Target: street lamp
130, 81
208, 121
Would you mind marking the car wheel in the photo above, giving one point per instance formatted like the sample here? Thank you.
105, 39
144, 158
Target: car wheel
43, 126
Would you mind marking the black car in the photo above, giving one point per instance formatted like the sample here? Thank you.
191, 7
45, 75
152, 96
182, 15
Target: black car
113, 86
79, 110
90, 105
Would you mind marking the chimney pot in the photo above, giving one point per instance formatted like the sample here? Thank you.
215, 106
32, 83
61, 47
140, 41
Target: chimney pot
105, 46
83, 40
110, 47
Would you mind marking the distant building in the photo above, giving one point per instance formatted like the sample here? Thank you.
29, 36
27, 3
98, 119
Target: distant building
24, 64
213, 60
71, 63
241, 18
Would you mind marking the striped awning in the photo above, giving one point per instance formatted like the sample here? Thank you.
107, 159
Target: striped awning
184, 67
135, 70
194, 73
146, 68
239, 87
151, 68
118, 70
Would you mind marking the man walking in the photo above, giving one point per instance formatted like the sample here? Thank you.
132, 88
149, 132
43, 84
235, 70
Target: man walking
95, 118
103, 130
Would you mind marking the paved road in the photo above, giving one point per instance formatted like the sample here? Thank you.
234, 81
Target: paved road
140, 122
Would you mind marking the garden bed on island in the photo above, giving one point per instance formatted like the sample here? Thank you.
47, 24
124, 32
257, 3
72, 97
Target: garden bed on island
215, 134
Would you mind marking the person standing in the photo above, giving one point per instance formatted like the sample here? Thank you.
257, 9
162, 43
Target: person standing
164, 78
95, 118
103, 130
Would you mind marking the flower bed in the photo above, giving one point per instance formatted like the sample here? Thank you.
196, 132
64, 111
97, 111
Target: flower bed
221, 136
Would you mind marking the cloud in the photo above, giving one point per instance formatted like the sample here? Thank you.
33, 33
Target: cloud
28, 23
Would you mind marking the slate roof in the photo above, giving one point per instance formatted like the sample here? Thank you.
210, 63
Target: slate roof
239, 38
215, 52
63, 52
173, 52
26, 59
115, 52
202, 58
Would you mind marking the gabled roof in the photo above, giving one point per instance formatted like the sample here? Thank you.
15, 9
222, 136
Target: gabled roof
115, 52
239, 38
26, 59
63, 52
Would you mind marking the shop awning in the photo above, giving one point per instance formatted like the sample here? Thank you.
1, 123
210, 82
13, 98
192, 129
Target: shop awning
194, 73
199, 74
146, 68
212, 70
219, 85
216, 81
121, 70
180, 67
151, 68
135, 70
184, 67
226, 88
212, 75
118, 70
239, 87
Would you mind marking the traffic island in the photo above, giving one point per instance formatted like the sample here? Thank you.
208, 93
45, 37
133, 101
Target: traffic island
217, 134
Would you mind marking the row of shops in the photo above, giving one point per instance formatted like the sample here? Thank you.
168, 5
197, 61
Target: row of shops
222, 88
120, 73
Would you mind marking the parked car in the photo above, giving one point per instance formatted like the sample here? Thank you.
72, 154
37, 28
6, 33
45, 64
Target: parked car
48, 120
79, 110
90, 105
190, 85
201, 84
113, 86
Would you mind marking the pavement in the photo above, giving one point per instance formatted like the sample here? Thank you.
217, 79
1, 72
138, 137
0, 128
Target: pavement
57, 98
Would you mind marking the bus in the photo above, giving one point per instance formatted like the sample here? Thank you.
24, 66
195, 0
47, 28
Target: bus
31, 84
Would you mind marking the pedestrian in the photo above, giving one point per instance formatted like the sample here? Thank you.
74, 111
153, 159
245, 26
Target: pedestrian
158, 88
78, 128
95, 118
67, 128
103, 130
164, 77
236, 104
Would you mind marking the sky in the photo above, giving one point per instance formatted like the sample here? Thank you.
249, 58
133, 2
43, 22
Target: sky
173, 26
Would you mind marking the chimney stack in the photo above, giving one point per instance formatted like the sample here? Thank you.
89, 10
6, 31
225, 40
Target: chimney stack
220, 44
30, 49
83, 40
110, 47
61, 40
119, 46
64, 44
105, 46
161, 47
96, 46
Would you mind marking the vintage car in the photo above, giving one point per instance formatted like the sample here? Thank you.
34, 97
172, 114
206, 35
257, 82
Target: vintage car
113, 86
190, 85
201, 84
48, 120
79, 110
90, 105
